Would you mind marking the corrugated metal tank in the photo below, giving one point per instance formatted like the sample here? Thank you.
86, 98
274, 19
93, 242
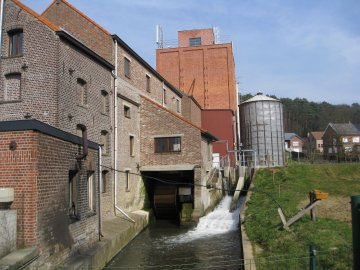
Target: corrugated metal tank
262, 130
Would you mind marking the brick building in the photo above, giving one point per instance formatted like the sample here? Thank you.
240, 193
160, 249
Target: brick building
315, 141
205, 69
40, 162
293, 142
341, 141
53, 72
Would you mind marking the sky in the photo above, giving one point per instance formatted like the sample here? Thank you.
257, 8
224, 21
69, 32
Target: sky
307, 49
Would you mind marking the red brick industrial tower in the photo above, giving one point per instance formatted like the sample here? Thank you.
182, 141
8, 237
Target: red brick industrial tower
205, 69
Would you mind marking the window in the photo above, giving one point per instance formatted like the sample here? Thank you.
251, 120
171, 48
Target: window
195, 41
16, 43
104, 175
167, 144
345, 140
127, 180
295, 143
12, 86
177, 105
126, 67
355, 139
131, 145
90, 188
148, 83
105, 142
105, 102
164, 96
82, 91
72, 194
127, 111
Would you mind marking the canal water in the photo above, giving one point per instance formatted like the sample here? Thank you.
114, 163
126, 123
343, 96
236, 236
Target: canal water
213, 244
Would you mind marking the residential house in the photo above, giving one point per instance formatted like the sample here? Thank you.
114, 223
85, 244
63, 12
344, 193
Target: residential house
293, 142
315, 141
341, 140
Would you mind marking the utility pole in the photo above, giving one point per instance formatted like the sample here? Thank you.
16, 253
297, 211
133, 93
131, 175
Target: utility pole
355, 213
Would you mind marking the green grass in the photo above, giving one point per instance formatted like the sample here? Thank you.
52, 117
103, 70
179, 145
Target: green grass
264, 228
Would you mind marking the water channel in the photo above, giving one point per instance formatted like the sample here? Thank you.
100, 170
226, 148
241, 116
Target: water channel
213, 244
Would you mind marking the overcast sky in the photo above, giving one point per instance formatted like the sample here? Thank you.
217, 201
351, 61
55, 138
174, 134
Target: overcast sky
308, 49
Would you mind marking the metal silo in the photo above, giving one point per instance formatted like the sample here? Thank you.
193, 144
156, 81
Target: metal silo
262, 131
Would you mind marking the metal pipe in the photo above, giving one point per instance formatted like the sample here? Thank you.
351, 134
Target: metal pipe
1, 24
99, 194
115, 126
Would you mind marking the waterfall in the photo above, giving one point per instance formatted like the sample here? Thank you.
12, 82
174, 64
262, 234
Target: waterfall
219, 221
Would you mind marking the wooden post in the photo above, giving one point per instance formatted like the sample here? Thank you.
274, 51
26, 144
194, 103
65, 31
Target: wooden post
313, 210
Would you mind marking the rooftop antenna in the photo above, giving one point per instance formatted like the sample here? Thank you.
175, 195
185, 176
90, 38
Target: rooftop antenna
159, 37
216, 31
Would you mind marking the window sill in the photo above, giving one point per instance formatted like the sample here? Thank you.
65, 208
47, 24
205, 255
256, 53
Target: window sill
169, 153
90, 213
83, 106
12, 56
11, 101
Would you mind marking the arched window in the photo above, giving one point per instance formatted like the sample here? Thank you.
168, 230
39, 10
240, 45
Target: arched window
82, 91
105, 102
105, 142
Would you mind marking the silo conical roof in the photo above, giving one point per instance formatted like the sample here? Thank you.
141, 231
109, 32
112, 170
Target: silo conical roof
260, 97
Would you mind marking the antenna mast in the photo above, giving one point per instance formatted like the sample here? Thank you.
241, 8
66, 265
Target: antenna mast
159, 37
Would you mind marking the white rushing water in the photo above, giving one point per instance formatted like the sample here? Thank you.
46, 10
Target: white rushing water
219, 221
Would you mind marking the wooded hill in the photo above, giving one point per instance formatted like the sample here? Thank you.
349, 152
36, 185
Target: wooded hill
302, 116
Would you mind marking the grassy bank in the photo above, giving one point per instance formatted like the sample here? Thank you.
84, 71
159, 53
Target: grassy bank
289, 187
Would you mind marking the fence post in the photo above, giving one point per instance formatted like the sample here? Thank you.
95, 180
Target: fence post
355, 213
312, 251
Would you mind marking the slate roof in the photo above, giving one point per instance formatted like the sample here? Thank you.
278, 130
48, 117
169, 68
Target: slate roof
346, 128
289, 136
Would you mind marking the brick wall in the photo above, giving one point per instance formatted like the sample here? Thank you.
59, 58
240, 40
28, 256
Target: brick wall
38, 170
206, 35
205, 72
137, 79
190, 110
18, 170
155, 121
81, 26
38, 95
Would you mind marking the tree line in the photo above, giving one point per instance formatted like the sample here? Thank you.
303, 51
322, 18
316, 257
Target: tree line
302, 116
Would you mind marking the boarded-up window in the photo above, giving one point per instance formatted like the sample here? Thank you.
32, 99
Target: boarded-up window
105, 142
195, 41
148, 83
12, 86
131, 145
82, 91
105, 102
126, 67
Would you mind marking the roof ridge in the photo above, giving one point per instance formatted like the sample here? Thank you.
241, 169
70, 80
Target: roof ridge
45, 21
80, 13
